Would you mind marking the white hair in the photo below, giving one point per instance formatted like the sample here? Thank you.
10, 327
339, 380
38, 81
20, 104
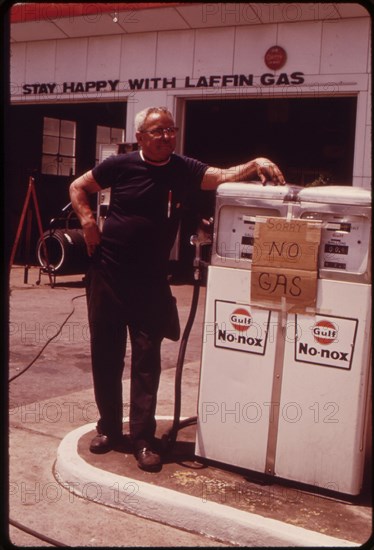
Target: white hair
142, 116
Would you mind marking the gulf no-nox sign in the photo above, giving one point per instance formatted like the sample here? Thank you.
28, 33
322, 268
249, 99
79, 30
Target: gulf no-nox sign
325, 340
241, 327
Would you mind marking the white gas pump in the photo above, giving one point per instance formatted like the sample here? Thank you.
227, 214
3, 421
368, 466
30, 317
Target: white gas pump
282, 393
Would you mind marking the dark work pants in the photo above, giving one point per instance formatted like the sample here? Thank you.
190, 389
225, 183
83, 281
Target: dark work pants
109, 318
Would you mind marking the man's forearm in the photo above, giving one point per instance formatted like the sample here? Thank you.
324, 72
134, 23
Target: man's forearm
264, 168
215, 176
81, 205
80, 191
240, 172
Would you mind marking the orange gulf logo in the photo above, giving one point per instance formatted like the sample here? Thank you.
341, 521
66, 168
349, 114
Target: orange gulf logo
241, 319
325, 332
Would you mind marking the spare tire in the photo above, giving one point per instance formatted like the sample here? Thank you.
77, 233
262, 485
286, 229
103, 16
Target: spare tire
66, 250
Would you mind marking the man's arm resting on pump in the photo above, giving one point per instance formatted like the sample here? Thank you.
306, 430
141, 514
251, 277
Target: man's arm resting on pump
262, 167
80, 190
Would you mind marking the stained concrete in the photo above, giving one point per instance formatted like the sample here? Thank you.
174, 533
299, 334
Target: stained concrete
53, 401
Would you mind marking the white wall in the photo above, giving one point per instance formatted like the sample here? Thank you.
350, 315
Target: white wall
332, 54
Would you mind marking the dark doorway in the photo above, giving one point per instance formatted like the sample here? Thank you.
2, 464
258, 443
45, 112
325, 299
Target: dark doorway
308, 138
24, 153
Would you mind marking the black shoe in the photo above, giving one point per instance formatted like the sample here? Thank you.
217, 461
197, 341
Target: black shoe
148, 460
102, 443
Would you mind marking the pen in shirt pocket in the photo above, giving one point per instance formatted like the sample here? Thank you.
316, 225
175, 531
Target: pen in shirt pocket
170, 199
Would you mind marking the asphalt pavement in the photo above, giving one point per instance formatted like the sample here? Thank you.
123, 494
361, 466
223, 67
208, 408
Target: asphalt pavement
58, 489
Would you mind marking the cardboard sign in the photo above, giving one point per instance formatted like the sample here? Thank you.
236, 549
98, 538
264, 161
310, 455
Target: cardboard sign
297, 286
284, 264
286, 243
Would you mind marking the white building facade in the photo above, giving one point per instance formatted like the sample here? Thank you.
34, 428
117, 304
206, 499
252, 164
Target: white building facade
172, 54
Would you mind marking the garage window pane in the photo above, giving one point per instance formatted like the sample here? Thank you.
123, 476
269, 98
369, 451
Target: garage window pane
67, 166
68, 129
67, 147
51, 126
59, 144
50, 145
49, 165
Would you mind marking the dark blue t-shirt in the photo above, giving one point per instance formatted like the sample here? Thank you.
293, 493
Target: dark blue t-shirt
145, 209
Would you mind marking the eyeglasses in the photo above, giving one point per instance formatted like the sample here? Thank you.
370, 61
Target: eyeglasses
158, 133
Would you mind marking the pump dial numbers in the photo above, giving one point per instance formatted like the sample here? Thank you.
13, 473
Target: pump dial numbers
336, 249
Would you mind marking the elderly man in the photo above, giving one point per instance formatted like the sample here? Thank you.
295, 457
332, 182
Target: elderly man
127, 285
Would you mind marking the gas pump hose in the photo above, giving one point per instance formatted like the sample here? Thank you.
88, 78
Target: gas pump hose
169, 438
